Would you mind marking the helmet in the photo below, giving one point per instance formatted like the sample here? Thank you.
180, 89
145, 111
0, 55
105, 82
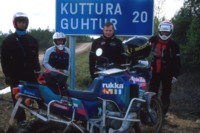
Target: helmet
138, 47
59, 36
20, 17
166, 26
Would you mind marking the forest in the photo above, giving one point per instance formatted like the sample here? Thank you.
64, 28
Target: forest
186, 31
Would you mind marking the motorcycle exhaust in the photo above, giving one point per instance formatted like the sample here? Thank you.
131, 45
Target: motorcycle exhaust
126, 125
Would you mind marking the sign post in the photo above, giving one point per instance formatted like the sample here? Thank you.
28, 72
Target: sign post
72, 45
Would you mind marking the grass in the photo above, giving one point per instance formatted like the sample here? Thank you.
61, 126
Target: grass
83, 79
185, 94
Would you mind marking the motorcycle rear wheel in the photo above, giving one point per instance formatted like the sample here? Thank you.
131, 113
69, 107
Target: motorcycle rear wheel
38, 126
147, 126
45, 127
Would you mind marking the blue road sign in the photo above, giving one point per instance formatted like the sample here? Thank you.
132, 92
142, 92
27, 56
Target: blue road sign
87, 17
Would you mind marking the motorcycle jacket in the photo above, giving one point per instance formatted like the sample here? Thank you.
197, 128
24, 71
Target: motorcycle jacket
166, 56
112, 52
19, 57
57, 59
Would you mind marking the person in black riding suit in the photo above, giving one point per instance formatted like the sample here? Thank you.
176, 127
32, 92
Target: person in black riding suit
165, 63
19, 57
112, 49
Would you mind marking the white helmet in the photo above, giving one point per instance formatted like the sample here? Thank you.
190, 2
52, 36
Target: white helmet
166, 26
59, 36
18, 17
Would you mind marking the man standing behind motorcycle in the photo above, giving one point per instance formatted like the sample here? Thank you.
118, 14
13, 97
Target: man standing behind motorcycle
112, 49
57, 57
19, 57
165, 62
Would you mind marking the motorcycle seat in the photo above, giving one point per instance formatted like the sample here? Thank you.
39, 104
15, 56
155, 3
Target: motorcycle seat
90, 94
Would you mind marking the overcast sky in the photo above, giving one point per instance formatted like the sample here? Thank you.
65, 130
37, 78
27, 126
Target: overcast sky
41, 13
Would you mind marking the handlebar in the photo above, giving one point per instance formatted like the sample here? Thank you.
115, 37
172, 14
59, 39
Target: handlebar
141, 64
106, 66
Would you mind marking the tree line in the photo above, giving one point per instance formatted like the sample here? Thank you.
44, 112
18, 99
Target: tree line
44, 37
186, 32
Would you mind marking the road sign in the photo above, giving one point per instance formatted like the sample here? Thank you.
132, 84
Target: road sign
87, 17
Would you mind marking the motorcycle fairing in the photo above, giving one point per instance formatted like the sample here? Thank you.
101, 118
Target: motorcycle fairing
116, 88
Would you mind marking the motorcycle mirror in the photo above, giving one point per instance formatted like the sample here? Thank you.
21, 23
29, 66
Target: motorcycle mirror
99, 52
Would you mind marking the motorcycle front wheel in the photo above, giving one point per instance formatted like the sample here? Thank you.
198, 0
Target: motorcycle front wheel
154, 123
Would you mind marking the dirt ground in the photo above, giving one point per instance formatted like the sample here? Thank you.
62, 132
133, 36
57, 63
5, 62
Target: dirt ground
172, 123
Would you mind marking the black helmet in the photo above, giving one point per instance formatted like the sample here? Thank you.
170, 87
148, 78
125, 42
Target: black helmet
138, 47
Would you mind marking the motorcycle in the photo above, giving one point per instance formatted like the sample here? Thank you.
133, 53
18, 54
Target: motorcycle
117, 101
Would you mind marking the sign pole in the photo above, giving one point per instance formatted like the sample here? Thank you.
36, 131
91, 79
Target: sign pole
72, 45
